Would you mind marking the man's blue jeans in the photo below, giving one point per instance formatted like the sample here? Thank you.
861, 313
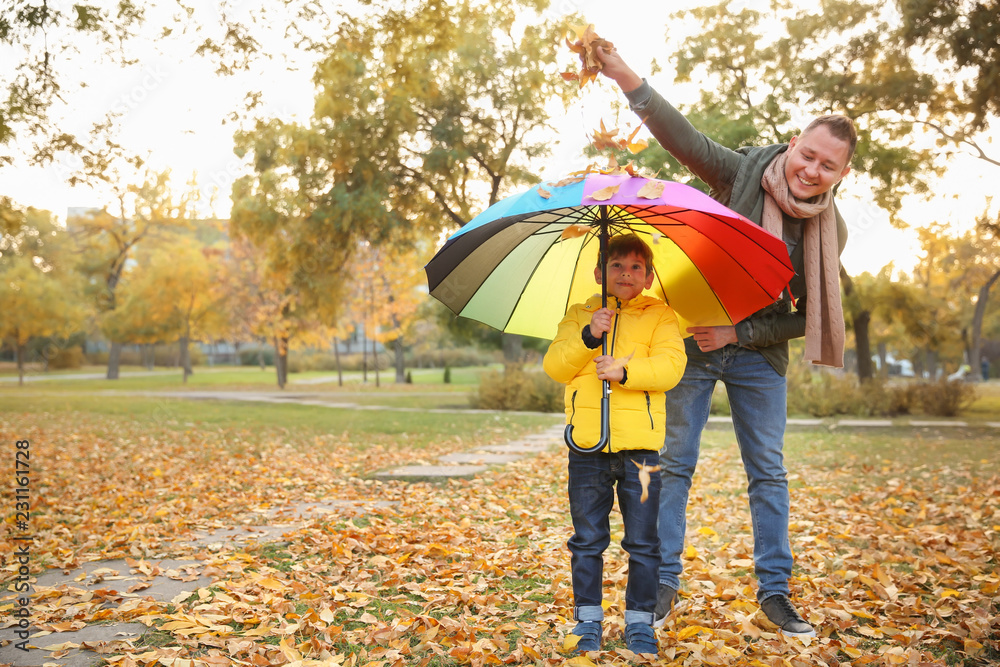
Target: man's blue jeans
592, 480
758, 399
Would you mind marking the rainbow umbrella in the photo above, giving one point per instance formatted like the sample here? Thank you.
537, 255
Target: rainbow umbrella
522, 262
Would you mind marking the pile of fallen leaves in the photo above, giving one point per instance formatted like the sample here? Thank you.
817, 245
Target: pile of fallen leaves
893, 568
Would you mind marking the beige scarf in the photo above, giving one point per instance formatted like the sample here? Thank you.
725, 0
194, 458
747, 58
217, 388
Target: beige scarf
821, 256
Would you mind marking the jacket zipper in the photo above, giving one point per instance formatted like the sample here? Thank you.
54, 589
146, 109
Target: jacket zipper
572, 405
649, 410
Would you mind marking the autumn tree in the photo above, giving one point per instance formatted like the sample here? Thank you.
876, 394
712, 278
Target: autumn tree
439, 108
109, 240
174, 294
385, 292
40, 292
35, 303
302, 224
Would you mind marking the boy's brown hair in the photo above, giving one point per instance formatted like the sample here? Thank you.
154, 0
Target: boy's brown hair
626, 244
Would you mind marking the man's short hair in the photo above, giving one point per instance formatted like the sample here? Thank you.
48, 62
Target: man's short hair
841, 127
626, 244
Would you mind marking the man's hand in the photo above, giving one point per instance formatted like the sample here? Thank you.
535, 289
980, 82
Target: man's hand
713, 338
600, 322
616, 69
608, 370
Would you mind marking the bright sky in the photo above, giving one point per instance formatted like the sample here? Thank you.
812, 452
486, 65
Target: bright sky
175, 109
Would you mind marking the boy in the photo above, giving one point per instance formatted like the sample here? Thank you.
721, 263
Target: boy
647, 329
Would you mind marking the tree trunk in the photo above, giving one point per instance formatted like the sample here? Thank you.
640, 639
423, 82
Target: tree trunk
281, 360
340, 370
932, 364
260, 353
975, 352
364, 355
861, 341
19, 353
114, 360
883, 357
375, 362
185, 357
513, 348
400, 361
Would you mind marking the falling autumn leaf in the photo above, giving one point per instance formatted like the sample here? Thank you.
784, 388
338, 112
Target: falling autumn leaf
621, 362
574, 231
633, 145
605, 138
644, 478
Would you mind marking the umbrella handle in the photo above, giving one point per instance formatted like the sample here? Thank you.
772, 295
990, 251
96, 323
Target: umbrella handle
605, 428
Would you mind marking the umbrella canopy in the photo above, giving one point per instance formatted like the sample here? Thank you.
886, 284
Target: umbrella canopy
521, 263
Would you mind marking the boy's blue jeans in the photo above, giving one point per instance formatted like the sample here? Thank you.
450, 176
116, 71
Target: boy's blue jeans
592, 481
757, 398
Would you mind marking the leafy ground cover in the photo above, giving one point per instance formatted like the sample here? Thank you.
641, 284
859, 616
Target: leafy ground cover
896, 534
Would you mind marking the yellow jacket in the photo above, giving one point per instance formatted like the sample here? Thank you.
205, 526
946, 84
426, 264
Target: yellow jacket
644, 326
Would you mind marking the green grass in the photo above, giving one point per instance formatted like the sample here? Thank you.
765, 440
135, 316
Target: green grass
422, 427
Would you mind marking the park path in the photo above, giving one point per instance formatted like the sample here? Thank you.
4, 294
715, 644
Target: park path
328, 400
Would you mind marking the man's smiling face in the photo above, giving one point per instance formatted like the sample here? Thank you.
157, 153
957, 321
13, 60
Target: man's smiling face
817, 161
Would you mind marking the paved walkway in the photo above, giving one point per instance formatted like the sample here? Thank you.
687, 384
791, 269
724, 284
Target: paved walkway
328, 400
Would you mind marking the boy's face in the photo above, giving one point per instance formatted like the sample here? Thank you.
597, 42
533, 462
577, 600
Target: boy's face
627, 276
817, 161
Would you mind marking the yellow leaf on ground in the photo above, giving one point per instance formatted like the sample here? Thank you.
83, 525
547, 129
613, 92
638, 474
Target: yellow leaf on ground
570, 641
580, 661
691, 631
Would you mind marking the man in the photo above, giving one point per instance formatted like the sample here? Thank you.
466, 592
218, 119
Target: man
787, 189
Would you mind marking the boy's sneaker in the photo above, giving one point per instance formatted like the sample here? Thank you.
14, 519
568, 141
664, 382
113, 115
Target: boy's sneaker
590, 636
666, 599
640, 638
779, 610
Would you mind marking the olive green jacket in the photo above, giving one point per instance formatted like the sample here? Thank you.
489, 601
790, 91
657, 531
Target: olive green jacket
734, 178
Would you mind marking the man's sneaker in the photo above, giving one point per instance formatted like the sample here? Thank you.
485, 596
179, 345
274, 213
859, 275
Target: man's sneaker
640, 638
590, 636
779, 610
666, 599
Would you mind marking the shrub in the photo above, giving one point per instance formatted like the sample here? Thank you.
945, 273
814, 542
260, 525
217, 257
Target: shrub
825, 394
69, 357
252, 357
515, 389
945, 398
